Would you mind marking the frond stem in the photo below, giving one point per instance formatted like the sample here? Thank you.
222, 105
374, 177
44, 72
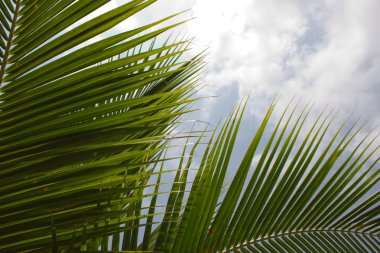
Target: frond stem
292, 233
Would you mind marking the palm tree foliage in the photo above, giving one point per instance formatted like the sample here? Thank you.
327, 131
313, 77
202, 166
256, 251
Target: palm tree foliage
85, 142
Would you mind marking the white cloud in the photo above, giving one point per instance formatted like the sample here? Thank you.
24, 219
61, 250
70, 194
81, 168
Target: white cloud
326, 50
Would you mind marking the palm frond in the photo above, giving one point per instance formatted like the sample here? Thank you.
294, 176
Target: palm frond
82, 121
303, 195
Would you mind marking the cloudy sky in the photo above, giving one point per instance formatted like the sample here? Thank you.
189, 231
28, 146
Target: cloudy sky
324, 50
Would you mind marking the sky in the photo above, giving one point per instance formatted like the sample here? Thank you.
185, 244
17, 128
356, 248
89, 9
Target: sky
327, 51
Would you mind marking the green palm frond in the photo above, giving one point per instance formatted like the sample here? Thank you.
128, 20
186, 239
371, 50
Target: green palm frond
80, 123
301, 196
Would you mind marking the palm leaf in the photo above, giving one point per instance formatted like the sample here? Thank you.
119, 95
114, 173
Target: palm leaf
82, 121
302, 195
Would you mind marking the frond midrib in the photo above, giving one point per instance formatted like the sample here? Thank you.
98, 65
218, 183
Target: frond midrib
307, 231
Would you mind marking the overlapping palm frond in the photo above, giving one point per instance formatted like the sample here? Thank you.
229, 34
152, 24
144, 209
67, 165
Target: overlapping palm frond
80, 123
301, 195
